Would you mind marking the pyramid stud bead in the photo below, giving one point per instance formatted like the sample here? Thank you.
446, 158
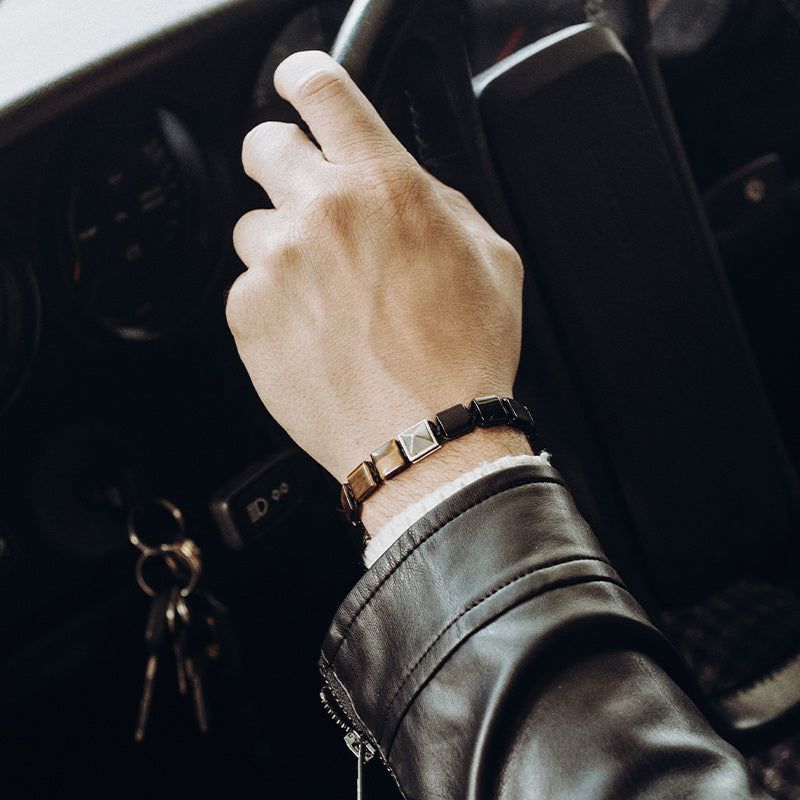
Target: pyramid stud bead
418, 441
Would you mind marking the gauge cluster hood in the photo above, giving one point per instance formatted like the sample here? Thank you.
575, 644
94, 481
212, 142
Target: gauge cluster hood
54, 55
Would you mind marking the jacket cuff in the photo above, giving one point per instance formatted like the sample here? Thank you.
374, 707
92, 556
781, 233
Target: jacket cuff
509, 538
377, 545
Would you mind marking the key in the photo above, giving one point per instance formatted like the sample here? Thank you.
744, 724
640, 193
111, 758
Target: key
198, 693
178, 619
154, 633
207, 637
210, 641
198, 645
168, 570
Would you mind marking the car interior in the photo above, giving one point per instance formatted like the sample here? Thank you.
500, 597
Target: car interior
644, 158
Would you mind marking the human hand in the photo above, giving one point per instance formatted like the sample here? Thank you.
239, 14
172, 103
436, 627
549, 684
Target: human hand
375, 295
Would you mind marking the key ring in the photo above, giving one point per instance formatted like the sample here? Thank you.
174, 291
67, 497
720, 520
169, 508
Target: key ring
187, 552
133, 534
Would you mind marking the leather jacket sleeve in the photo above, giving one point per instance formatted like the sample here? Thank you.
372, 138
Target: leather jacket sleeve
492, 652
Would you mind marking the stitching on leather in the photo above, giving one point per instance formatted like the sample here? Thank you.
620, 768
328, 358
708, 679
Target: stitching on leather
565, 584
488, 595
422, 541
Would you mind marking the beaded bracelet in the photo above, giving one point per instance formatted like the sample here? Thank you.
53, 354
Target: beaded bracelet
424, 438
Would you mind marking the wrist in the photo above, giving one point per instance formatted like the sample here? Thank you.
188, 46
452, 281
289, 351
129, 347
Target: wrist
445, 465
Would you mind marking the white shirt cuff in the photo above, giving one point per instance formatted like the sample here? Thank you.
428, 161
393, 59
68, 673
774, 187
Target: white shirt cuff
414, 512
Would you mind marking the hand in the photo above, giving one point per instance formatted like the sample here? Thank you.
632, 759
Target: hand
375, 295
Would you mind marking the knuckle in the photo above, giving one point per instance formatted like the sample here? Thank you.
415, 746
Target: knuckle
510, 258
268, 137
256, 137
283, 256
236, 305
401, 187
455, 196
322, 84
269, 253
509, 253
331, 204
242, 230
246, 236
285, 133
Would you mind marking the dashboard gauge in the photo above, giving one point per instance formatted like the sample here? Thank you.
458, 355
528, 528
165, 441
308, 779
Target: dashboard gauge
312, 29
19, 327
136, 223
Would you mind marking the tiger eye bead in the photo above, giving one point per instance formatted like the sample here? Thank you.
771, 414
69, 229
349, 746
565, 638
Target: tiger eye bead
389, 460
363, 481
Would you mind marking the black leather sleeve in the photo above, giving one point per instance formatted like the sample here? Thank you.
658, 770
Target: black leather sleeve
492, 652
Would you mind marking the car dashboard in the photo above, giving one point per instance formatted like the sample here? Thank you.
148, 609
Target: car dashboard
119, 380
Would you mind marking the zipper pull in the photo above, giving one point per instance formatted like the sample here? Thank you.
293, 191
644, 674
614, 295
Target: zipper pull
363, 751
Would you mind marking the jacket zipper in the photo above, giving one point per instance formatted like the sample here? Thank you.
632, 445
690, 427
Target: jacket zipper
357, 741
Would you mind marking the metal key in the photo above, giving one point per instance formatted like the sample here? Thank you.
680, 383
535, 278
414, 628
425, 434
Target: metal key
194, 662
178, 620
154, 633
198, 694
202, 645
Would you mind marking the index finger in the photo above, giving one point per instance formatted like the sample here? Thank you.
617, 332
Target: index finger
342, 120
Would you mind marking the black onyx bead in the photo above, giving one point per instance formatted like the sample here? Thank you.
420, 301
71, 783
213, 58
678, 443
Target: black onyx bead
519, 416
489, 411
454, 422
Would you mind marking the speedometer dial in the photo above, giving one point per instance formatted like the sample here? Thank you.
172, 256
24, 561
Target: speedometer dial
136, 222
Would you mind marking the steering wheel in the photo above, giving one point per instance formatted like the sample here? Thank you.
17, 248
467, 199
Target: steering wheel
633, 356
